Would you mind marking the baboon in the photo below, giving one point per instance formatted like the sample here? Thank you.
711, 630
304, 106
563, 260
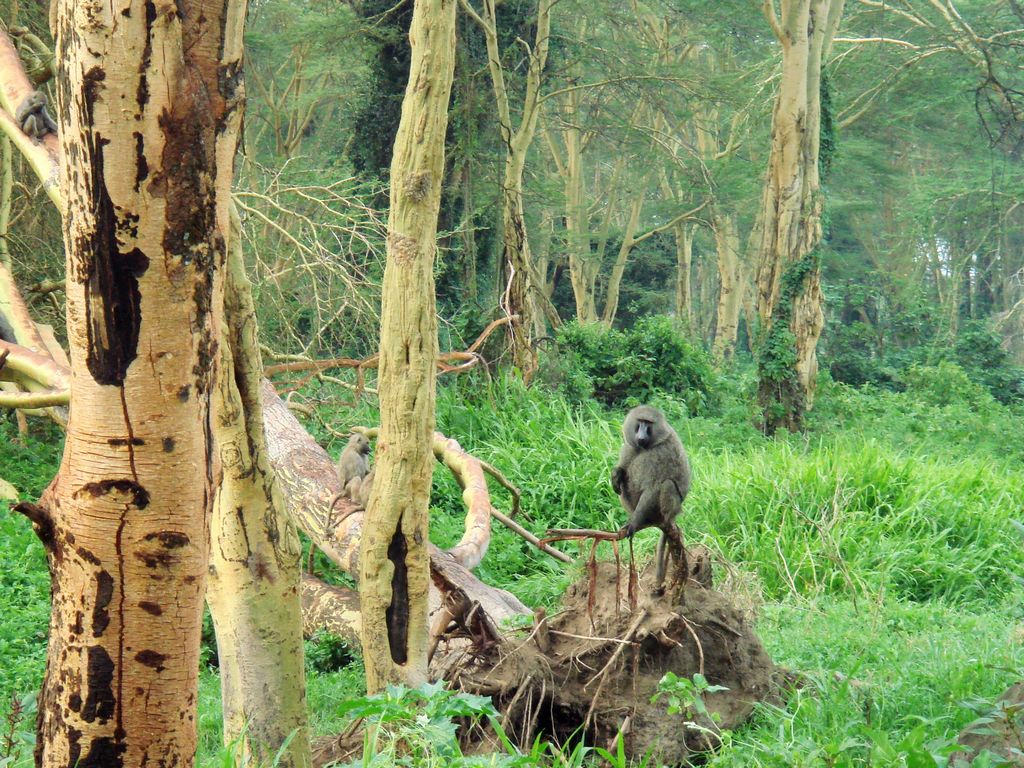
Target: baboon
32, 117
652, 478
353, 464
362, 494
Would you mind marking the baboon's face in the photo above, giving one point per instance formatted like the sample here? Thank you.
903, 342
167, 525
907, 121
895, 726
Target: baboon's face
360, 443
643, 434
643, 427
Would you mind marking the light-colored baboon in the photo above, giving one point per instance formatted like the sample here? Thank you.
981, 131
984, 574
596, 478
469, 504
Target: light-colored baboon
353, 464
652, 478
362, 495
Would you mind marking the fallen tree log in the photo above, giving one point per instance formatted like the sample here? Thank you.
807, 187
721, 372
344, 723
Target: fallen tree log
313, 496
331, 609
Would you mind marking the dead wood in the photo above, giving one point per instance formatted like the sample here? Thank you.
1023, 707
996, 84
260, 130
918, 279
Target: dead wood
331, 609
599, 665
313, 496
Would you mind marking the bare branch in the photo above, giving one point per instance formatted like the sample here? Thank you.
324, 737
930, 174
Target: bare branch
768, 7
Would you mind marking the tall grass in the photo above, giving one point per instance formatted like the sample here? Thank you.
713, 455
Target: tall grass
837, 513
883, 544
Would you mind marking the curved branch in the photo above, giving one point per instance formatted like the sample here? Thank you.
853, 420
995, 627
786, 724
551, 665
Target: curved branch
34, 366
15, 87
24, 401
773, 21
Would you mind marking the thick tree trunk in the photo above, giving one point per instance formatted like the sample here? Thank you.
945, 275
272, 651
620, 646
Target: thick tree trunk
394, 573
149, 141
253, 587
789, 275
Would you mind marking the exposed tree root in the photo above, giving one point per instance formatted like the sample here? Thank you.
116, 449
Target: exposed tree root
602, 675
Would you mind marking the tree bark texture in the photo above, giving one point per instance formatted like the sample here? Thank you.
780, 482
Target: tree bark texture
684, 261
253, 587
731, 286
789, 275
394, 569
149, 114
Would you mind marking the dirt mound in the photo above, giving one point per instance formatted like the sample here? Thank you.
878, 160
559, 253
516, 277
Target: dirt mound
597, 662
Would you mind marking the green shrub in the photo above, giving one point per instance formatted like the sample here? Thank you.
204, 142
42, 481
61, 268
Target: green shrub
980, 353
945, 384
633, 366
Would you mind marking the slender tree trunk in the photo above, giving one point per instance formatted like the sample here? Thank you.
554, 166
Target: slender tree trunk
253, 587
6, 188
149, 141
684, 260
731, 285
518, 296
522, 295
543, 263
394, 566
582, 267
789, 274
984, 292
611, 301
469, 255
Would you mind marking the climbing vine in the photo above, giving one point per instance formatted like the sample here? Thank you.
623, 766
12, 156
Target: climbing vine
780, 395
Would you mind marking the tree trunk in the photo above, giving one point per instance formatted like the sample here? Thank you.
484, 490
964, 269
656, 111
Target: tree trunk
253, 588
789, 275
394, 565
611, 301
518, 297
583, 268
684, 262
522, 294
149, 142
730, 293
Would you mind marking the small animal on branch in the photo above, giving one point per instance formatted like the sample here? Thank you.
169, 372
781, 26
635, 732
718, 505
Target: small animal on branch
33, 118
354, 465
652, 478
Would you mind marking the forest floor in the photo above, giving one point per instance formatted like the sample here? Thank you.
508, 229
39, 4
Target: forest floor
880, 554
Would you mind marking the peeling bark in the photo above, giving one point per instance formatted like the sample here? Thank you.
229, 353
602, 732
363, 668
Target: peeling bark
147, 145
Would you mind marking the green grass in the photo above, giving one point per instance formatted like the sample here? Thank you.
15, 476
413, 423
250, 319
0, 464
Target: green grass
29, 465
882, 547
875, 673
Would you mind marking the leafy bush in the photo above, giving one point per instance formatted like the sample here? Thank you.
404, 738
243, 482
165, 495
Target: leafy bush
852, 358
633, 366
945, 384
853, 355
980, 353
421, 727
327, 653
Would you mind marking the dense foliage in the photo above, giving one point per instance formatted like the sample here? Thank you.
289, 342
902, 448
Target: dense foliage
628, 367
